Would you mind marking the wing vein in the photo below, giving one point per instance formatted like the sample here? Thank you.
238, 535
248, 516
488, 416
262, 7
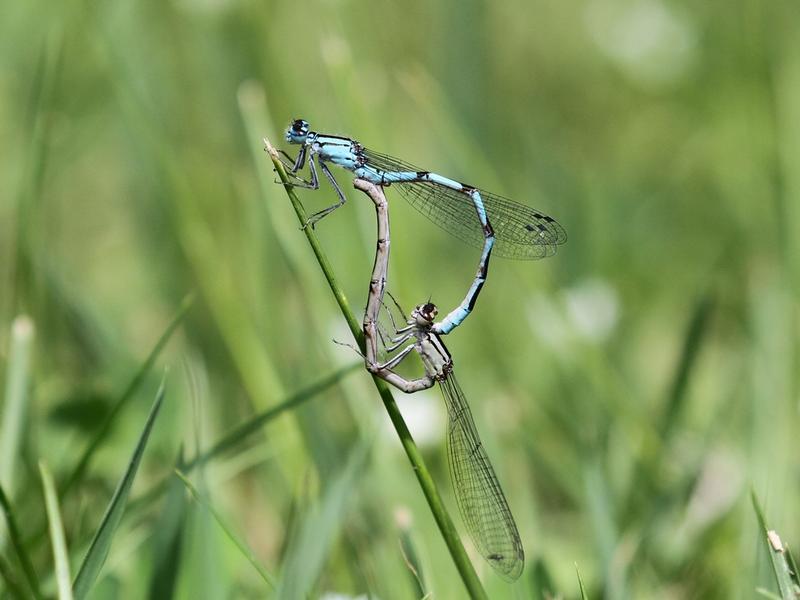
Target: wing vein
480, 498
521, 231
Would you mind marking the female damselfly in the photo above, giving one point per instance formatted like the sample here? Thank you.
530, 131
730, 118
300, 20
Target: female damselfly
478, 217
480, 498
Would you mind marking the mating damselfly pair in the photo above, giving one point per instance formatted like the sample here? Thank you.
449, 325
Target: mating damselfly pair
511, 229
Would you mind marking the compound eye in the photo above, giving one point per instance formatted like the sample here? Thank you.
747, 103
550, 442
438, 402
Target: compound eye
427, 311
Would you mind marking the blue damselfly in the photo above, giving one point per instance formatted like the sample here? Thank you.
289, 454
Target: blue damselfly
478, 217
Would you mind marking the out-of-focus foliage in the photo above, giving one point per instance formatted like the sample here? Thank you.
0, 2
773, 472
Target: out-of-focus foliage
629, 390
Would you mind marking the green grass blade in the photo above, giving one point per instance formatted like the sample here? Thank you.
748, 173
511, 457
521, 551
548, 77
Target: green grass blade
429, 490
785, 578
101, 543
408, 549
8, 578
242, 546
542, 581
651, 462
79, 471
584, 596
692, 343
38, 124
244, 431
168, 540
60, 555
16, 399
307, 552
16, 542
792, 565
603, 520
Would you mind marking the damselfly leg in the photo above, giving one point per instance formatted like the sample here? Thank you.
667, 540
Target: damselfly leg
319, 215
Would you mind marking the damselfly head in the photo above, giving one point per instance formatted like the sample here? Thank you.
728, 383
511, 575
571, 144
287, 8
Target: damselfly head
425, 314
297, 132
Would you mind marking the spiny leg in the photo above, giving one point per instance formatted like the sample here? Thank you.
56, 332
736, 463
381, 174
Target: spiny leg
391, 342
397, 330
392, 362
397, 305
302, 183
348, 345
409, 386
385, 372
399, 341
293, 165
384, 336
312, 220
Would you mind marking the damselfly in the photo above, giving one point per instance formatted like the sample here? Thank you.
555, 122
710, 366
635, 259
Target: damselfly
480, 498
478, 217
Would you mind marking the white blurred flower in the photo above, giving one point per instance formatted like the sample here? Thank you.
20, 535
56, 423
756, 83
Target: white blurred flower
587, 311
335, 50
548, 323
717, 489
403, 517
593, 309
424, 412
649, 40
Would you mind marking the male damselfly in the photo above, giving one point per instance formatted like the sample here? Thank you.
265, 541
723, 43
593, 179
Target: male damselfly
480, 218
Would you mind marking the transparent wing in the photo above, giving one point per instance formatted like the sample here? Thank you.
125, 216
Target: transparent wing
480, 498
521, 232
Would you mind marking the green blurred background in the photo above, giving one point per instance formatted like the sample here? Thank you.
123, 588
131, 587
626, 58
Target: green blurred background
630, 390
